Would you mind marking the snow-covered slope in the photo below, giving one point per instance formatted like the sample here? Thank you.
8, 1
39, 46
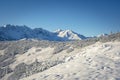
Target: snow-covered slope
99, 61
69, 35
15, 32
72, 60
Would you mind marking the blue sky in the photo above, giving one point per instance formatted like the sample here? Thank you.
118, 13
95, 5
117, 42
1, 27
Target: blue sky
87, 17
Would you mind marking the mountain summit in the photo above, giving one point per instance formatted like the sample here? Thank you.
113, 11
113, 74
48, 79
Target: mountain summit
15, 32
69, 35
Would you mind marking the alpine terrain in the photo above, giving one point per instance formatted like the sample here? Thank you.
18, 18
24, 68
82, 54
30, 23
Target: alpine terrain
15, 32
37, 54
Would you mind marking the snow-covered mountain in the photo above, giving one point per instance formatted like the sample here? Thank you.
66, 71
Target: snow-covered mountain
15, 32
69, 35
101, 35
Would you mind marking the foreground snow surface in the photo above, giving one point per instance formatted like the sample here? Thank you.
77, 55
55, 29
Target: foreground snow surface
100, 61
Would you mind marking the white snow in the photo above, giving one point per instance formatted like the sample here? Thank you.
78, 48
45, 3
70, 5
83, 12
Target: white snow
15, 32
31, 55
100, 61
1, 52
68, 35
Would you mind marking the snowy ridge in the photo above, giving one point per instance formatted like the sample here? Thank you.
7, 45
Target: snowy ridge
69, 35
15, 32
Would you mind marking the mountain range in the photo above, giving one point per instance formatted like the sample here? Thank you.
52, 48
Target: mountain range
38, 54
16, 32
